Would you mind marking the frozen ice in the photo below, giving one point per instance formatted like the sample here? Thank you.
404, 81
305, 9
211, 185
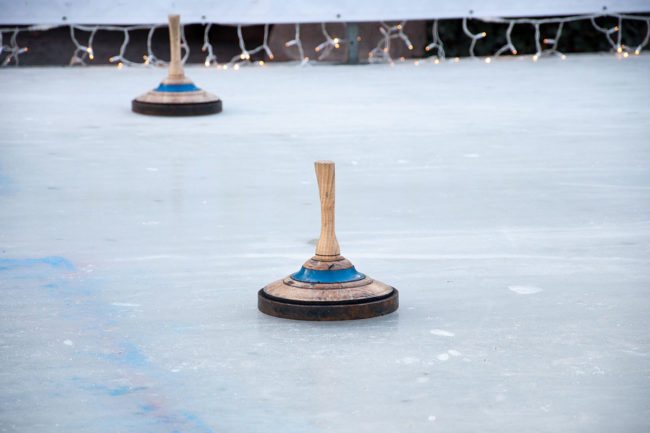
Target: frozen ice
525, 290
441, 333
143, 241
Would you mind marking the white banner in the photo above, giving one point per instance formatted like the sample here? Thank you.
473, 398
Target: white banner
50, 12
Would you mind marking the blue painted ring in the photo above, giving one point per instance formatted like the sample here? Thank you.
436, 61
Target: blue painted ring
338, 276
186, 87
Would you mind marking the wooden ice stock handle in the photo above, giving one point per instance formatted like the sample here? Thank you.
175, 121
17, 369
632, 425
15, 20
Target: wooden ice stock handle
175, 66
328, 246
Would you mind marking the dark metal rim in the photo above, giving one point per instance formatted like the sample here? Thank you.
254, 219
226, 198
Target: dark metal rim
191, 109
331, 312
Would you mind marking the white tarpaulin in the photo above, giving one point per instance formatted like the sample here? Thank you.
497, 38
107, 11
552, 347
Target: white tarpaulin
292, 11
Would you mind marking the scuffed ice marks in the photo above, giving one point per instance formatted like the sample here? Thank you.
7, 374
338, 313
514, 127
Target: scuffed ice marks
128, 354
441, 333
408, 360
106, 365
445, 356
524, 290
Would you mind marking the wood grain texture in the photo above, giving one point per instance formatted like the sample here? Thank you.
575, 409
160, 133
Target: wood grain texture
175, 65
292, 290
200, 96
327, 248
330, 265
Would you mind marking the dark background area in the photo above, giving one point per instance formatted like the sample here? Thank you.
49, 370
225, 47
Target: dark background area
577, 36
55, 47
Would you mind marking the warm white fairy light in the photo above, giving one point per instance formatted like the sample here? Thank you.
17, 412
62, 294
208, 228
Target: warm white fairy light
297, 42
619, 30
84, 53
150, 58
120, 59
436, 43
207, 46
245, 56
509, 46
381, 53
330, 43
643, 43
13, 49
607, 32
559, 22
473, 36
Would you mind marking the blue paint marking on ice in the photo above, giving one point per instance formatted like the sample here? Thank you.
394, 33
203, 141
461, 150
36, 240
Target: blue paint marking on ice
122, 390
132, 355
147, 408
53, 261
5, 183
104, 389
129, 355
80, 303
119, 391
198, 422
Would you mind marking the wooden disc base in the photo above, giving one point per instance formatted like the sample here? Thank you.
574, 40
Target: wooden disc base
170, 109
327, 311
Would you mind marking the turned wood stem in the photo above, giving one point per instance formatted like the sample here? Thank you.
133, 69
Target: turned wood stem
175, 65
328, 246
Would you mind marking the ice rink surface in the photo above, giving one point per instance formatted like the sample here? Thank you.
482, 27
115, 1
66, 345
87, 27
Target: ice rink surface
508, 202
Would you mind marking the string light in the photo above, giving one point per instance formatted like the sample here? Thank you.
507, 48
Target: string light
330, 43
150, 58
296, 42
474, 36
381, 53
82, 52
606, 32
638, 49
244, 57
436, 44
120, 59
13, 49
509, 46
10, 51
207, 46
560, 21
